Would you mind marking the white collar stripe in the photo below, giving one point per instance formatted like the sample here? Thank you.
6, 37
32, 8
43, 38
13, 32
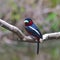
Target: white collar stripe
34, 30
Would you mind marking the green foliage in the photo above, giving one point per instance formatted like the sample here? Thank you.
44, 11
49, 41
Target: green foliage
3, 29
55, 53
22, 9
15, 15
54, 2
55, 26
14, 52
17, 11
52, 19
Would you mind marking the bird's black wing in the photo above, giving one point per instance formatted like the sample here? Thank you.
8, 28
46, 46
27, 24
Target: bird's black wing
37, 30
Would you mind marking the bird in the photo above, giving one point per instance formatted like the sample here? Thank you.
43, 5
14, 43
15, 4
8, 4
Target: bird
33, 30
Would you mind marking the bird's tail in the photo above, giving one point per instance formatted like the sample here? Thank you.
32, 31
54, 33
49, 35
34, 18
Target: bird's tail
38, 47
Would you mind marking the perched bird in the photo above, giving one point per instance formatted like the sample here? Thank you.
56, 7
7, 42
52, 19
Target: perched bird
33, 30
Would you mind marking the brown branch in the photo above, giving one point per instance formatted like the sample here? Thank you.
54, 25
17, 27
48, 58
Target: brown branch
25, 38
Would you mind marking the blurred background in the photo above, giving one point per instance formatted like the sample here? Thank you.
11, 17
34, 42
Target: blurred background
44, 13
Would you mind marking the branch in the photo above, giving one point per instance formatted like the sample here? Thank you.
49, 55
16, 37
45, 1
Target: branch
12, 28
25, 38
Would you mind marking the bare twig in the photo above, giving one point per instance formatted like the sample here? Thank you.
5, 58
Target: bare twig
25, 38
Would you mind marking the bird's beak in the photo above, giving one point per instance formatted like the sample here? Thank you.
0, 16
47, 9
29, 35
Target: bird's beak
26, 21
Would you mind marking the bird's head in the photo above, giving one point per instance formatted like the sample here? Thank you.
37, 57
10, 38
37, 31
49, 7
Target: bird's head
28, 22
